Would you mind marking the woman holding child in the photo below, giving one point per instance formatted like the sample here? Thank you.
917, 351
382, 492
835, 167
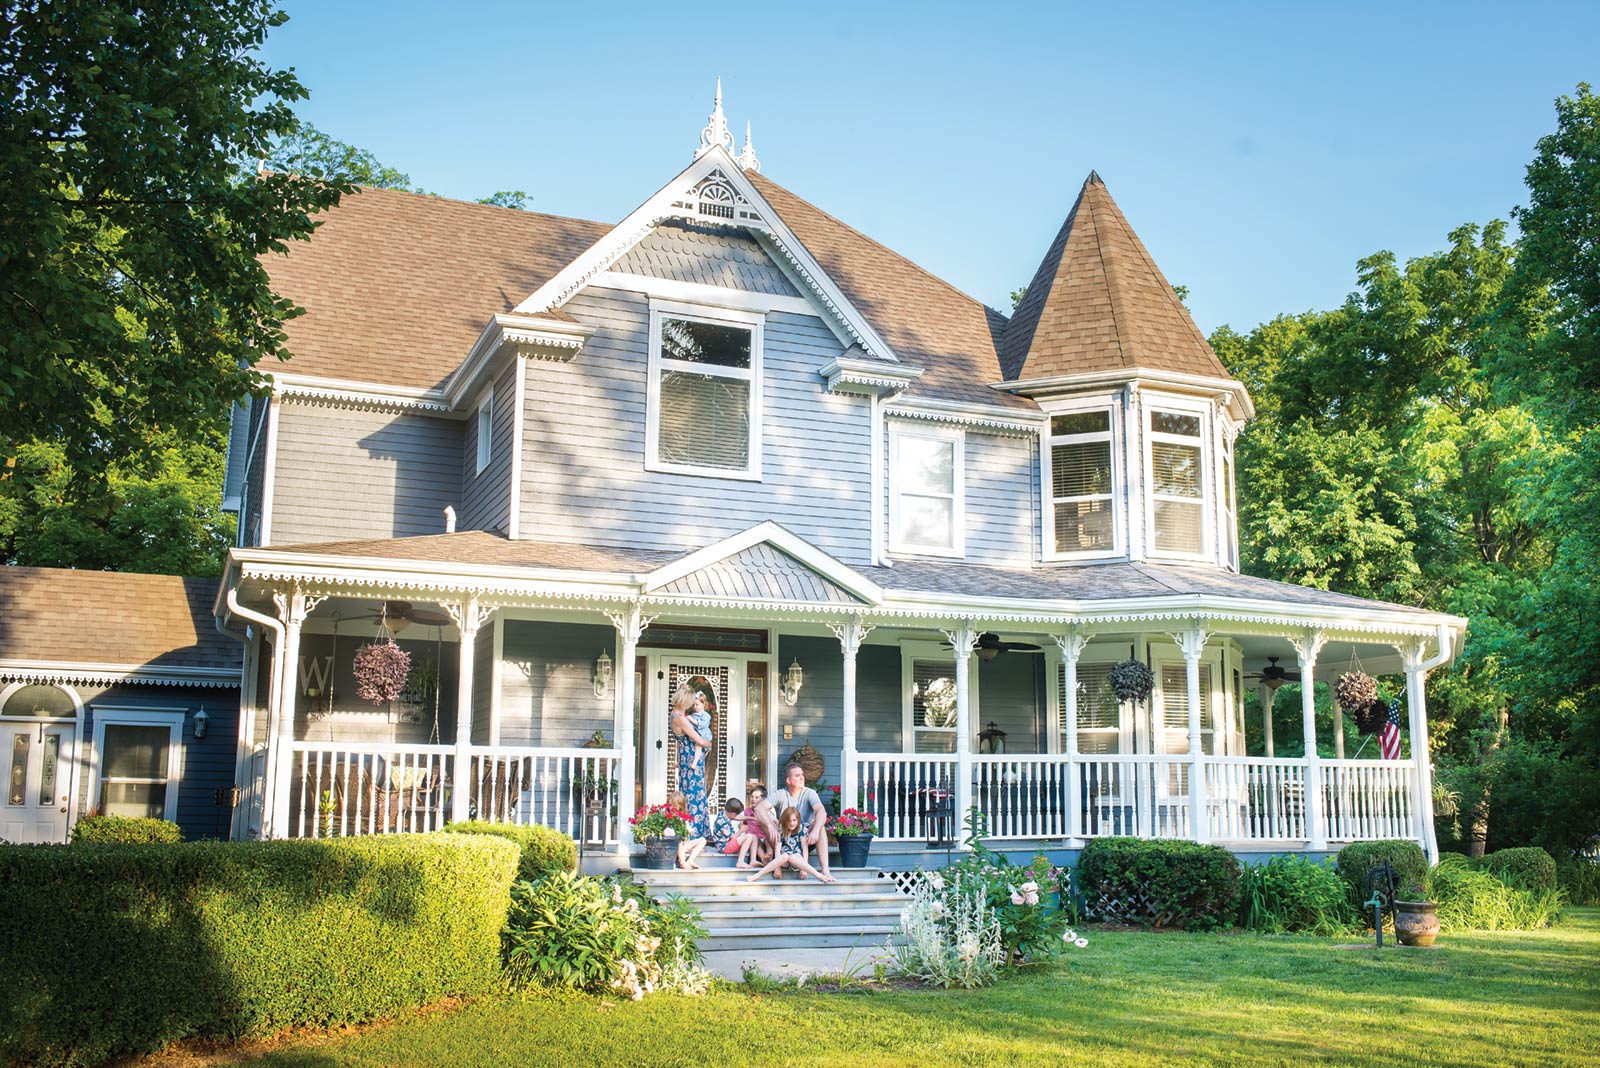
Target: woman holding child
691, 725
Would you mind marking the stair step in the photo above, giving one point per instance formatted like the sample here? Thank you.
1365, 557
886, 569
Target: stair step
881, 913
729, 875
742, 938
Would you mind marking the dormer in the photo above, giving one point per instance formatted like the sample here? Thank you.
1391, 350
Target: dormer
1137, 454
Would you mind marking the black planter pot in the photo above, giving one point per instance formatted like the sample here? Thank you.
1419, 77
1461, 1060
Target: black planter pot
660, 853
853, 850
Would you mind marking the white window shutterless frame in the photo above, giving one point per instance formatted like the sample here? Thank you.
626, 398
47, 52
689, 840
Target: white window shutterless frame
485, 433
138, 762
703, 406
927, 491
1082, 484
1176, 497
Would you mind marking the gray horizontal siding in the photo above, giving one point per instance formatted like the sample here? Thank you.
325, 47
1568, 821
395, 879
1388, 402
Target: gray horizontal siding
584, 476
708, 255
486, 495
878, 699
815, 716
547, 683
344, 474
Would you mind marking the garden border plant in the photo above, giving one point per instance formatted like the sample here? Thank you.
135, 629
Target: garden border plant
1159, 883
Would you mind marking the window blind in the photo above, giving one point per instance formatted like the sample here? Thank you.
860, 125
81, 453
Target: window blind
705, 420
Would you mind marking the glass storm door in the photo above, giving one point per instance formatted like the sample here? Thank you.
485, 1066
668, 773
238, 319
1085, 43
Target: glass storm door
37, 783
722, 678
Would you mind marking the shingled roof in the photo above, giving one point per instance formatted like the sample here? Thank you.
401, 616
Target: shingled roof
1098, 302
57, 615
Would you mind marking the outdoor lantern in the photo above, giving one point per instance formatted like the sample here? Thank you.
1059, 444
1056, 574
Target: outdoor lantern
792, 681
201, 719
602, 673
940, 816
992, 740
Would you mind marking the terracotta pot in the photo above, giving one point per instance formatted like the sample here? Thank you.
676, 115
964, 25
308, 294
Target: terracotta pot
1416, 923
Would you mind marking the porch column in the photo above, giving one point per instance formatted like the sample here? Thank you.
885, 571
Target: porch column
1307, 648
1072, 644
630, 626
961, 641
1267, 695
1417, 709
850, 636
293, 608
1192, 643
1338, 731
469, 616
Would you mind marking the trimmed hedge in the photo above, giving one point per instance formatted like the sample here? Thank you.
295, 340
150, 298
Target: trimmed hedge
1357, 858
544, 851
1159, 883
124, 830
1528, 868
118, 949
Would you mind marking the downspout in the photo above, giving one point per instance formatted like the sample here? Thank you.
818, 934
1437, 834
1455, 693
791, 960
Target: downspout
274, 692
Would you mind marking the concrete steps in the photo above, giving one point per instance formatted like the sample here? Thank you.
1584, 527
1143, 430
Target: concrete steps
859, 909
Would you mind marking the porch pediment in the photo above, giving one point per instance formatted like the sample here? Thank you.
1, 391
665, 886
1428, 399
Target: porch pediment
765, 563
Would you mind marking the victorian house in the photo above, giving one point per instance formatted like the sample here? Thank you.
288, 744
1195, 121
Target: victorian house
568, 465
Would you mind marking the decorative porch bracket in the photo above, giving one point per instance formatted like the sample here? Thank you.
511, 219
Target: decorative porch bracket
1191, 642
1072, 645
962, 641
850, 635
1307, 647
469, 616
630, 624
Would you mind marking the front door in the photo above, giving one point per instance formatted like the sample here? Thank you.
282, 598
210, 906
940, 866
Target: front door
722, 679
38, 788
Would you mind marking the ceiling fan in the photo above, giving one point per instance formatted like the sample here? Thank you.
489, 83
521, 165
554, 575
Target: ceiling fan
1273, 675
990, 646
396, 616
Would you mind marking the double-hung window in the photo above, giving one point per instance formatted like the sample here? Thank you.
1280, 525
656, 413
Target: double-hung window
705, 392
926, 487
139, 762
1081, 483
485, 431
1176, 454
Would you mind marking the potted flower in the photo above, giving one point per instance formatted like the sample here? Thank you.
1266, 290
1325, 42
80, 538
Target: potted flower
855, 830
1416, 919
651, 825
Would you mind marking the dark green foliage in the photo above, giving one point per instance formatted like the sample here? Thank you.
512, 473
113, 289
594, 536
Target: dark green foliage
116, 949
1292, 895
1358, 858
1579, 880
544, 851
124, 830
1473, 899
1528, 868
1178, 884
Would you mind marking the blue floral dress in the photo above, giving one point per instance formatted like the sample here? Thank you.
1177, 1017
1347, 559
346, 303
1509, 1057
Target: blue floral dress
792, 843
722, 830
692, 773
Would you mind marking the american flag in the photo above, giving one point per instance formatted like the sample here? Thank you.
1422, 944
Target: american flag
1389, 737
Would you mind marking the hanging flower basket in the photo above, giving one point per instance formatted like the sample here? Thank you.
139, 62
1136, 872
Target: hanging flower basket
1355, 690
940, 702
1371, 718
381, 669
810, 762
1131, 680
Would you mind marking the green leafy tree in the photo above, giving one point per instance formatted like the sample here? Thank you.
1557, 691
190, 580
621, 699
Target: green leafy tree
507, 198
307, 150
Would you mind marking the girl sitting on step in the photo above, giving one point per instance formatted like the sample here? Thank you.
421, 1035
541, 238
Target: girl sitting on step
688, 848
791, 850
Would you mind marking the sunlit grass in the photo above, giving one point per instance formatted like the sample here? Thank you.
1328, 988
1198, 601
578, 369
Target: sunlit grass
1490, 1000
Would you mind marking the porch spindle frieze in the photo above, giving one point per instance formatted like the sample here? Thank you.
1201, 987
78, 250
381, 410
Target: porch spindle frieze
1307, 647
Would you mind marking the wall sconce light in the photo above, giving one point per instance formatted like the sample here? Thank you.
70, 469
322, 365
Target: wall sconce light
201, 722
793, 679
602, 673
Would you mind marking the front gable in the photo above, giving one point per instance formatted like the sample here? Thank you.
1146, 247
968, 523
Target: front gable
699, 254
766, 562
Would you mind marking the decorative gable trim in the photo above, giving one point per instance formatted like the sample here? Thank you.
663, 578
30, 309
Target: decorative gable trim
871, 378
530, 336
711, 189
366, 396
981, 417
77, 673
780, 538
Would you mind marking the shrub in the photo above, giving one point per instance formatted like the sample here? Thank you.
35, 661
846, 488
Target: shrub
602, 936
948, 935
1472, 899
1579, 880
1358, 858
125, 830
1529, 868
544, 851
118, 949
1159, 883
1294, 894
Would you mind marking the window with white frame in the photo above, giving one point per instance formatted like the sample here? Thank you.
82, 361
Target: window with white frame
705, 392
1230, 513
1080, 480
926, 491
485, 431
1101, 728
139, 756
1176, 455
932, 703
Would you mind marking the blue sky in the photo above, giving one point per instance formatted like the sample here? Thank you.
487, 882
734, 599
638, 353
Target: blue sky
1258, 149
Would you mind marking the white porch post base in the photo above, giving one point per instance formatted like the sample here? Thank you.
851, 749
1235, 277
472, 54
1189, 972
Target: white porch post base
1421, 759
1267, 695
1192, 643
292, 609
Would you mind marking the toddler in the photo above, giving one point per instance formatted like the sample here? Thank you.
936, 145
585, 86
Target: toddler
760, 825
688, 848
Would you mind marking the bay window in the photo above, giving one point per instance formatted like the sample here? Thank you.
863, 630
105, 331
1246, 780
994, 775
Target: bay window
1080, 480
705, 392
1175, 456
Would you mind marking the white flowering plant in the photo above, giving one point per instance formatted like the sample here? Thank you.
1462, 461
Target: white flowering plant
947, 936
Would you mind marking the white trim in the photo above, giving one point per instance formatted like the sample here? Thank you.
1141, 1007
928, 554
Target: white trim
956, 439
778, 537
269, 472
1116, 495
875, 480
496, 677
706, 295
988, 418
118, 715
518, 433
62, 672
1239, 403
525, 335
657, 365
871, 378
1206, 501
345, 393
483, 431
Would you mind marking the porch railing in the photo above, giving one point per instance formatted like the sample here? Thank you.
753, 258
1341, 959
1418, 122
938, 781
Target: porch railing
571, 790
1247, 799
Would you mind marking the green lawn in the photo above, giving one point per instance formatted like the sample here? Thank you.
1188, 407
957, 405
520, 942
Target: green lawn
1490, 1000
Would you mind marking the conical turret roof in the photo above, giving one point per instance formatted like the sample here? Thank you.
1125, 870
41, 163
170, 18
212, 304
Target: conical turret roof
1099, 302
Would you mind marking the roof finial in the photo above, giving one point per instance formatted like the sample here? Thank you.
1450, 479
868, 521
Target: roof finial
716, 134
747, 158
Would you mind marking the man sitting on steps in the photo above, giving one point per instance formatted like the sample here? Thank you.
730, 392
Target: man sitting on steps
813, 817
